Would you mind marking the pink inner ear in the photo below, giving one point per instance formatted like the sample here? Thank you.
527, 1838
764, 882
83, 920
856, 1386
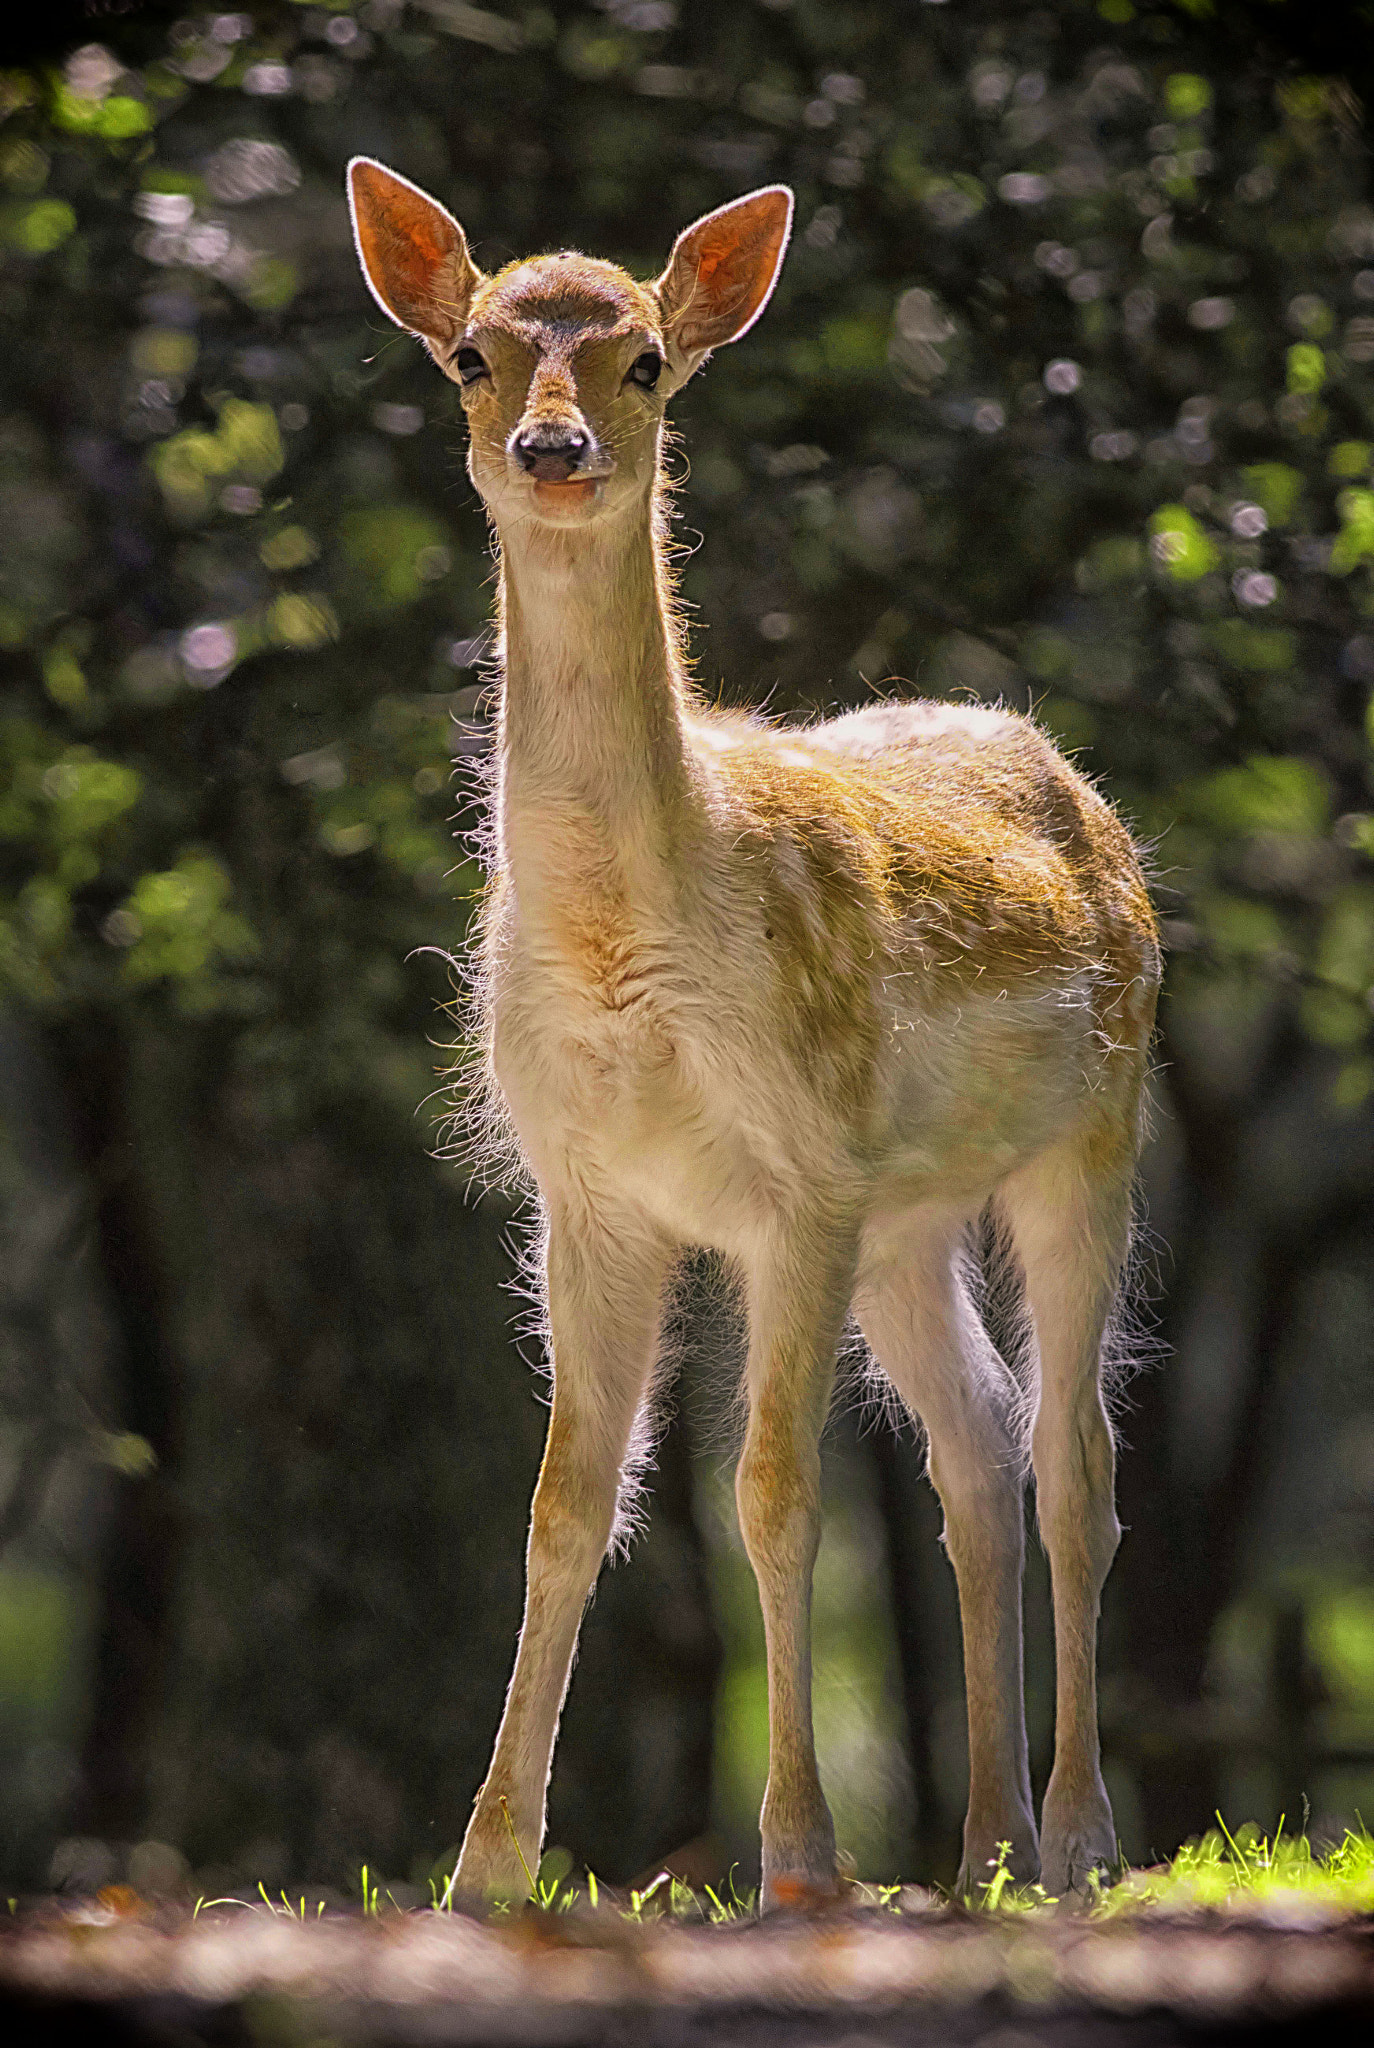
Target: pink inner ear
733, 263
417, 226
414, 253
744, 251
405, 239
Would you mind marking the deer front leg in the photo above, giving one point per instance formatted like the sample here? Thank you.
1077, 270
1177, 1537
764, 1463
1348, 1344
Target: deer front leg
605, 1284
797, 1302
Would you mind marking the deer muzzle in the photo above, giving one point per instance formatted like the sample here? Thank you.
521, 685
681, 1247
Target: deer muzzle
559, 454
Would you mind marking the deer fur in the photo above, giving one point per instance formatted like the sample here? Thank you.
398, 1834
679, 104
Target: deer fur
817, 998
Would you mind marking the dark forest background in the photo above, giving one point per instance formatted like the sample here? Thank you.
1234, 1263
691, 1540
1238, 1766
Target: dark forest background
1065, 398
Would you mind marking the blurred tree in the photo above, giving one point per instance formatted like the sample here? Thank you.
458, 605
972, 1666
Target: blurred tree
1064, 398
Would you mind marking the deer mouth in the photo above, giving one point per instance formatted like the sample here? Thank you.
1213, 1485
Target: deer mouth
573, 490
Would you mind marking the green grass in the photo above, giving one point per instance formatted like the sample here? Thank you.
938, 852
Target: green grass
1221, 1870
667, 1898
1225, 1869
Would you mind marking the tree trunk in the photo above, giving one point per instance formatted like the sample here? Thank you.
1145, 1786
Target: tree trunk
144, 1532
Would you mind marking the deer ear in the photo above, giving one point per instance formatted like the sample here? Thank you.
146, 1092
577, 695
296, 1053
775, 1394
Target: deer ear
721, 273
414, 255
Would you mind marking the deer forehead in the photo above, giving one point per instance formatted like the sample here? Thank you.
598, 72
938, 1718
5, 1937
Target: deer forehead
569, 294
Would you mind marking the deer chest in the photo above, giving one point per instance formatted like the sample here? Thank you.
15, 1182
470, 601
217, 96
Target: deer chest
615, 1073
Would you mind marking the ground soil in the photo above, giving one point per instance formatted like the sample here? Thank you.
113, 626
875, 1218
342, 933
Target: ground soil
130, 1972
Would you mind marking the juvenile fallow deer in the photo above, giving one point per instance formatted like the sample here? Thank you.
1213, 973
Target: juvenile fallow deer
818, 998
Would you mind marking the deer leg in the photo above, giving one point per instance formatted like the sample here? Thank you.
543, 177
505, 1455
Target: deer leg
917, 1315
1071, 1226
797, 1307
604, 1295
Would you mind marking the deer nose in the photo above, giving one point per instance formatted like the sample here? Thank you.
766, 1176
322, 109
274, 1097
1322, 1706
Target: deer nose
549, 454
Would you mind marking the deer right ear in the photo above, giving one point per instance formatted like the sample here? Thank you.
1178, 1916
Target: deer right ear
721, 275
414, 255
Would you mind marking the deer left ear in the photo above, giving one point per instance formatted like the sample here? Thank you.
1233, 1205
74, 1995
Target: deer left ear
721, 274
414, 255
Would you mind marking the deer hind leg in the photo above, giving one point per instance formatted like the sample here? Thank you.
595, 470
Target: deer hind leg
605, 1286
916, 1312
1069, 1214
797, 1306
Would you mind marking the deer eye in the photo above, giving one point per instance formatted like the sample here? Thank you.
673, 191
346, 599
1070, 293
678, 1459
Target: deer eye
470, 366
644, 370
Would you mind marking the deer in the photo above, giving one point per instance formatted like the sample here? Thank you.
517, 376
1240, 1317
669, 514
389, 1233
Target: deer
823, 999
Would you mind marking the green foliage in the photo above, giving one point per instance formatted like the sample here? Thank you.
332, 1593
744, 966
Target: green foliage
1278, 488
1264, 794
116, 119
1350, 458
994, 1887
1239, 1871
1341, 1625
1187, 95
1261, 649
245, 448
41, 227
178, 926
392, 552
62, 800
1251, 1868
1355, 541
1306, 367
1241, 931
1181, 545
35, 1678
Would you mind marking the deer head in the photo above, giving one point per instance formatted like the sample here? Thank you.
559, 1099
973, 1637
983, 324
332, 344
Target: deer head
564, 363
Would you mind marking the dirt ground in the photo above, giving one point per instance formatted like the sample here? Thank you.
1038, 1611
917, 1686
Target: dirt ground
84, 1971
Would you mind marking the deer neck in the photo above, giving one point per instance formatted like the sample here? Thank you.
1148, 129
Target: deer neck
591, 746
